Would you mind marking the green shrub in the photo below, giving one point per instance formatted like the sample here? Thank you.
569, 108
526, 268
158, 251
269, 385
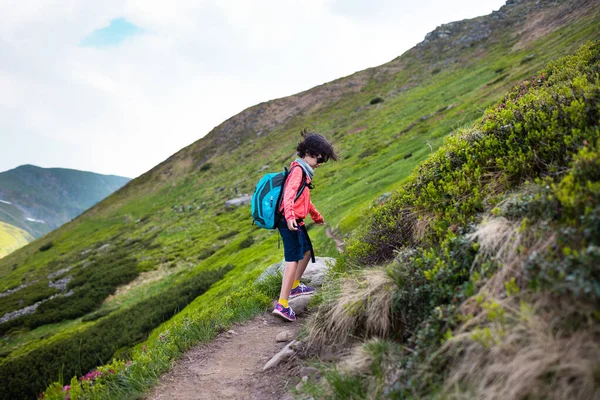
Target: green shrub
85, 292
205, 167
97, 315
533, 131
247, 242
26, 375
46, 246
227, 235
532, 161
27, 296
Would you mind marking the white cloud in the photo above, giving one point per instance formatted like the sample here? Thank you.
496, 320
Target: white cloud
123, 109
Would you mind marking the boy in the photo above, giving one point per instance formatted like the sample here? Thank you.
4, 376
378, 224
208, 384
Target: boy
313, 151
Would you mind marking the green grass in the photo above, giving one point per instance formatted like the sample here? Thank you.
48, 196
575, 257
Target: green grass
12, 238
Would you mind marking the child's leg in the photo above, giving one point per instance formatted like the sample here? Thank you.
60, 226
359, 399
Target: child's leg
302, 264
288, 279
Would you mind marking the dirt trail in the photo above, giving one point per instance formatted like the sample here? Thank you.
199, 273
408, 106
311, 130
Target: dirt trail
230, 367
339, 243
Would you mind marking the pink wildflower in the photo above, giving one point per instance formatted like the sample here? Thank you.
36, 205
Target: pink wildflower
66, 388
143, 348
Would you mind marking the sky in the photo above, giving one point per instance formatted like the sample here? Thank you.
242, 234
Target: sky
117, 86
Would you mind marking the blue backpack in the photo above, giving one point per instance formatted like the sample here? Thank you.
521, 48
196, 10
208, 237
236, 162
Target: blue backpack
267, 198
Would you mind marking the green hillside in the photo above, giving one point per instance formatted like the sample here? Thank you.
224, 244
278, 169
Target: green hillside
480, 277
39, 200
187, 275
12, 238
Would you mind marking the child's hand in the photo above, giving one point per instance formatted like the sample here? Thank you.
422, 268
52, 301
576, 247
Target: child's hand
292, 225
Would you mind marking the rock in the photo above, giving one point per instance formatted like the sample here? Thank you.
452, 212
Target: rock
384, 197
287, 396
239, 201
59, 272
60, 284
232, 332
104, 247
271, 270
11, 291
299, 304
313, 275
284, 354
283, 336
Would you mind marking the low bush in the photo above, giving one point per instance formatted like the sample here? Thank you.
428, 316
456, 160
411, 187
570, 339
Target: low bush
533, 131
27, 296
85, 292
508, 209
26, 375
46, 246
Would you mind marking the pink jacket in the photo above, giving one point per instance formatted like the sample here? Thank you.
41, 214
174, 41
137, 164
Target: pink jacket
302, 206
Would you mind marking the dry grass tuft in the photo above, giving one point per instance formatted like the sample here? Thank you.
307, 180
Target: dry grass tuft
509, 243
363, 308
525, 352
376, 363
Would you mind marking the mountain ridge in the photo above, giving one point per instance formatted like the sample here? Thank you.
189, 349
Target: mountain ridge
42, 199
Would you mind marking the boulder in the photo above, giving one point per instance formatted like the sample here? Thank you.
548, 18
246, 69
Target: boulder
239, 201
272, 269
299, 304
313, 275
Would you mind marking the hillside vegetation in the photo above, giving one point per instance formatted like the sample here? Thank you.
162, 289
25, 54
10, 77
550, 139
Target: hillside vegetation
12, 238
480, 277
137, 247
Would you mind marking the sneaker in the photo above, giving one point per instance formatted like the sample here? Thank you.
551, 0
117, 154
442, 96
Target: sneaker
285, 313
300, 290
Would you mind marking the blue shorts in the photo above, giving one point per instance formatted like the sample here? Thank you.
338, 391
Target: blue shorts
295, 243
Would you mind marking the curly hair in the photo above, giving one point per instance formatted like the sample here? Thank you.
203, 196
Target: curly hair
315, 144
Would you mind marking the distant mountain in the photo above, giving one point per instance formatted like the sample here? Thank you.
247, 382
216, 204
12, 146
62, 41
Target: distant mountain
39, 200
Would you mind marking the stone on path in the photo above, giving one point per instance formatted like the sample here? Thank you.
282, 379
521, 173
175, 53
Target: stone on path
284, 354
284, 336
299, 304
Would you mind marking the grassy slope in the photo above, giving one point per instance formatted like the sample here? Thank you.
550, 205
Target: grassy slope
12, 238
177, 243
491, 283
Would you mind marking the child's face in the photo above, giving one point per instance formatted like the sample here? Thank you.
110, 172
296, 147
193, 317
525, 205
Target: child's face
314, 161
